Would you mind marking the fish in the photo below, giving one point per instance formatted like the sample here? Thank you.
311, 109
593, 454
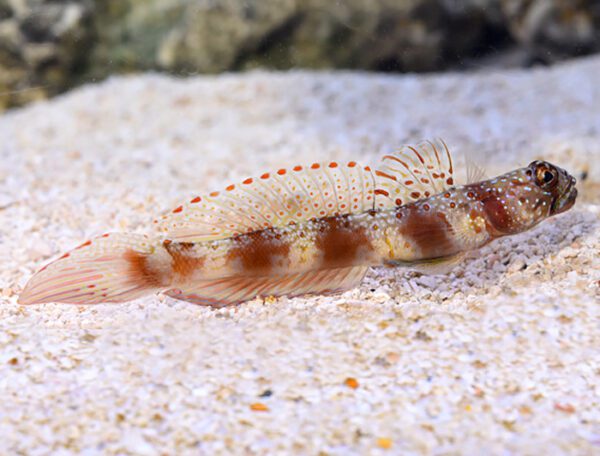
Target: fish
312, 229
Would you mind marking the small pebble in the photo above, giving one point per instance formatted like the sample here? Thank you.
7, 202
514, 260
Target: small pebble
385, 443
351, 382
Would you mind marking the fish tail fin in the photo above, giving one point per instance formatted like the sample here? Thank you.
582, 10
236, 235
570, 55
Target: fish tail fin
114, 267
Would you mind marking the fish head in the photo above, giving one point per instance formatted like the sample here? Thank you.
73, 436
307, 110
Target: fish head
539, 191
554, 188
519, 200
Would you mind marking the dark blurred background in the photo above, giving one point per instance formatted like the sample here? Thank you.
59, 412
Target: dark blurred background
49, 46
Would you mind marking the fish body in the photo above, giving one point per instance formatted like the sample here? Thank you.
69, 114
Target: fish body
308, 230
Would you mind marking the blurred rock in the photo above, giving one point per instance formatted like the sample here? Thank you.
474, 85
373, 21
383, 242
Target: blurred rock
49, 45
551, 30
221, 35
183, 35
43, 46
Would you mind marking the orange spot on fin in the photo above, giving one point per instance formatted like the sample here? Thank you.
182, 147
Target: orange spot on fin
382, 174
85, 244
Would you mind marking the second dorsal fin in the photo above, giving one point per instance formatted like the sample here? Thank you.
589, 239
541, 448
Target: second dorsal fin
413, 173
277, 199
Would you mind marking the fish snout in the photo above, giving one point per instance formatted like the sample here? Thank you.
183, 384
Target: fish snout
566, 201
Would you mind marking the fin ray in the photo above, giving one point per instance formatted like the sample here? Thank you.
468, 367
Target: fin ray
475, 171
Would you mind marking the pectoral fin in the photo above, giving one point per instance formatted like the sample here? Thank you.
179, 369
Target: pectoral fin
436, 266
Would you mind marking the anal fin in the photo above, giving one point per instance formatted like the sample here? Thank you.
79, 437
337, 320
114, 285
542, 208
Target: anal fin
234, 290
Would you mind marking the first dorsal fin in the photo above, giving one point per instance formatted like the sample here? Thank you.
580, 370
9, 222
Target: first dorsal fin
413, 173
277, 199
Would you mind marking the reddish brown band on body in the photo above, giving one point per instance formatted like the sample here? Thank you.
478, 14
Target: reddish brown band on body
183, 263
429, 231
258, 253
498, 220
341, 242
140, 271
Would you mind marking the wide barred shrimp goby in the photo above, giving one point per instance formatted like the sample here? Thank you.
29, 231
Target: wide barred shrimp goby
307, 229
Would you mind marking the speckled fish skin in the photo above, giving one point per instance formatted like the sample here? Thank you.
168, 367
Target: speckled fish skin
264, 241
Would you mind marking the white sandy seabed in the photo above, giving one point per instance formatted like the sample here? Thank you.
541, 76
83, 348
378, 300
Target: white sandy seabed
500, 356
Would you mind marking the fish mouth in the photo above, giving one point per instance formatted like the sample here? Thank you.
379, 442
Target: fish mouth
565, 202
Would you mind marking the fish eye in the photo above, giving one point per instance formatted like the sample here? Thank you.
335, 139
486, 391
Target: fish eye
545, 175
